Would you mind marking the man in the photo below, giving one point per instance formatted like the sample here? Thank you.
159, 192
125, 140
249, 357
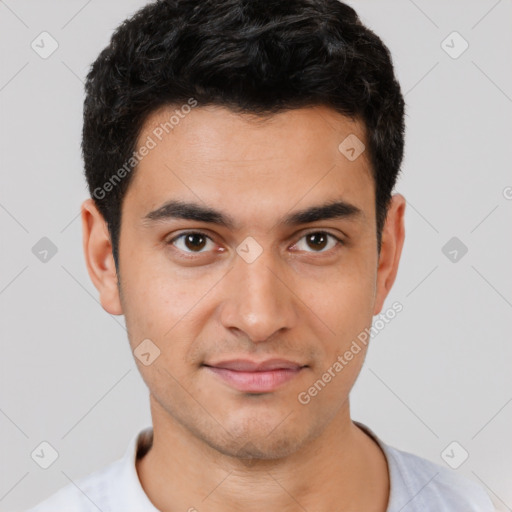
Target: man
241, 157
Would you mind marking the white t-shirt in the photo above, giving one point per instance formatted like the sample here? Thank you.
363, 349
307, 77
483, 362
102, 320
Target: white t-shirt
416, 485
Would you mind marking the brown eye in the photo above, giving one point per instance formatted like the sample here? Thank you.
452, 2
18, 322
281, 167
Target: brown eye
318, 241
191, 242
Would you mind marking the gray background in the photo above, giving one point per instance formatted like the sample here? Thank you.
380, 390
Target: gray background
438, 373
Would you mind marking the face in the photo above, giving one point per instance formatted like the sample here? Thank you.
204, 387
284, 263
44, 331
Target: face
251, 267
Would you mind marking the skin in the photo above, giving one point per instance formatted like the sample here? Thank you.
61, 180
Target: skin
216, 448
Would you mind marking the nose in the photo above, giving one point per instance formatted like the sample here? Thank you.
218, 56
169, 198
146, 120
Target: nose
258, 299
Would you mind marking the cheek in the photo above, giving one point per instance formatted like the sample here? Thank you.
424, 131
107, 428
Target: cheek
351, 305
343, 299
163, 308
157, 297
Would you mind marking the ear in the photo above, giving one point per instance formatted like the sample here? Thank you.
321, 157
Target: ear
393, 235
99, 258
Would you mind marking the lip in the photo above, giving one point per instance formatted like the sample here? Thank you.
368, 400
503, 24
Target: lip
246, 365
256, 377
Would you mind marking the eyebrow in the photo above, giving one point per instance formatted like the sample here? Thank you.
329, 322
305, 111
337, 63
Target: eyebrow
176, 209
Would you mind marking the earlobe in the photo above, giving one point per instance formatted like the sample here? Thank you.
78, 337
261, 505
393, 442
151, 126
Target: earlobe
99, 258
393, 236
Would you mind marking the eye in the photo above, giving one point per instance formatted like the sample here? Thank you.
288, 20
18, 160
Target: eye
319, 241
196, 242
191, 242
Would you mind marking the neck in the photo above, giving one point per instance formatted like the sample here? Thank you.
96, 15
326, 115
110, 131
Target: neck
342, 469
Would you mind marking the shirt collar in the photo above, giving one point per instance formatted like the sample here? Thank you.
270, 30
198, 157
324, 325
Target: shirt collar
395, 479
130, 491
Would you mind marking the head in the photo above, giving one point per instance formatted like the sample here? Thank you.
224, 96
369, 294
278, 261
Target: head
229, 218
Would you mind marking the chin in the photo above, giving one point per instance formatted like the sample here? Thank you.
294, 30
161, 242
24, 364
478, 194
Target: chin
258, 449
254, 438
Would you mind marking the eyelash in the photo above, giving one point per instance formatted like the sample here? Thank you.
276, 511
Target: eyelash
192, 254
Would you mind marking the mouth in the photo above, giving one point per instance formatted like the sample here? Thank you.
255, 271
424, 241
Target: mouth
256, 377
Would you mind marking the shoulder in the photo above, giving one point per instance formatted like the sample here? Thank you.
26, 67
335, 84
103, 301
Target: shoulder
115, 487
87, 494
429, 486
418, 484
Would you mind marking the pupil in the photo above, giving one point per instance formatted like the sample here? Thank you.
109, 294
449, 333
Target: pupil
316, 236
189, 241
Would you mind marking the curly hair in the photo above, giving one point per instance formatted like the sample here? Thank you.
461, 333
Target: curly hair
257, 57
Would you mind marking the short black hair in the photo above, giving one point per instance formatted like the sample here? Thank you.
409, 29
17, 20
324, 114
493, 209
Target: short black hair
252, 56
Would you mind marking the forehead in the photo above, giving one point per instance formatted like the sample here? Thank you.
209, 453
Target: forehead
220, 133
214, 155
